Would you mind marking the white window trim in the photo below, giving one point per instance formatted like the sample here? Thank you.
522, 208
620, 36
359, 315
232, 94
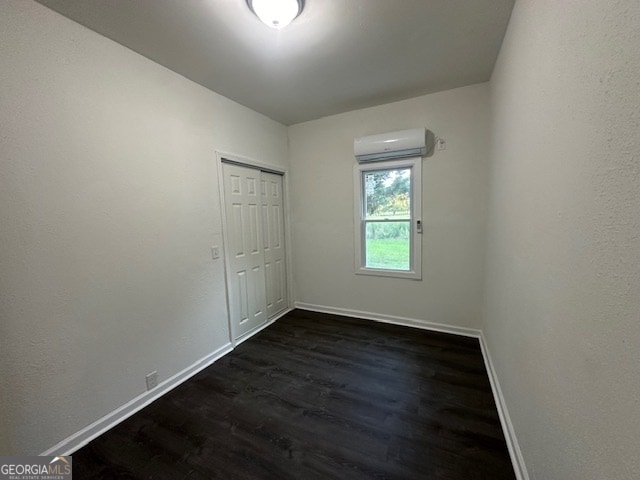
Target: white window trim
415, 163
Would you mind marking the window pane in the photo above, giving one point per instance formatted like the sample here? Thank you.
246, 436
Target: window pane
387, 245
387, 194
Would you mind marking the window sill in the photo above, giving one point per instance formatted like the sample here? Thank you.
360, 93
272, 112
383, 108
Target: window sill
411, 275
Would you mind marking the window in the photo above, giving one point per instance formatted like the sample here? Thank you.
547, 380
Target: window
388, 225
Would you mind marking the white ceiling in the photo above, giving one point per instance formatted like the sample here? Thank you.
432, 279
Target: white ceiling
338, 55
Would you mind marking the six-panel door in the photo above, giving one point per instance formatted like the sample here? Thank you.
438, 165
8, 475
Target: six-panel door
256, 250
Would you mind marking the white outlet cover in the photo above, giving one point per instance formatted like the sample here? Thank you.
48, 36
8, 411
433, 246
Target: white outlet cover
152, 380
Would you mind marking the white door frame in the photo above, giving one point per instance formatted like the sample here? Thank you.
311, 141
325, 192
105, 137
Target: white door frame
250, 163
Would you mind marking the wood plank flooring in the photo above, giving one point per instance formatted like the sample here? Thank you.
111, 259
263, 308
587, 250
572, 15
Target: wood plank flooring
318, 396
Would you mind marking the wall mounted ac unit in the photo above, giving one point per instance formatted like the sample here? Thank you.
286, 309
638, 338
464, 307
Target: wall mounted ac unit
387, 146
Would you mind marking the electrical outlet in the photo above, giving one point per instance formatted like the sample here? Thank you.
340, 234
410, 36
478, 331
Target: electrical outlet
152, 380
441, 144
215, 253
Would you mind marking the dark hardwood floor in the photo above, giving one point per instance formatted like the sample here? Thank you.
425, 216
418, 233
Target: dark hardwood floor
318, 396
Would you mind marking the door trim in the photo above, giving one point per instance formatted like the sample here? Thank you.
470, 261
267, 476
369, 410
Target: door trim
268, 169
223, 157
248, 163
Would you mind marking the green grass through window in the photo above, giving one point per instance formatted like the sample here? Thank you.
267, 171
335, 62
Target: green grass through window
388, 253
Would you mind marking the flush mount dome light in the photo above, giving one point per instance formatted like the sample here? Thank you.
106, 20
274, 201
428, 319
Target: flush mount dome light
276, 13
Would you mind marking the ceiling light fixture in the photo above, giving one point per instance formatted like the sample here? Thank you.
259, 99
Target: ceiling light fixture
276, 13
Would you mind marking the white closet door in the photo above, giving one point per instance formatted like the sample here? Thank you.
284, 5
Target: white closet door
246, 280
257, 276
273, 241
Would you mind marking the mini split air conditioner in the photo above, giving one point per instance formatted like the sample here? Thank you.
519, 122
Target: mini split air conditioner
387, 146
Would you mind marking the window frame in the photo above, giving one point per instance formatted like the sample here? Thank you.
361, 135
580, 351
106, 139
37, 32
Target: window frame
415, 241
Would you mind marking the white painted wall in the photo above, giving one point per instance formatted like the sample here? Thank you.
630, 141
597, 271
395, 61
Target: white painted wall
454, 202
4, 427
108, 207
562, 314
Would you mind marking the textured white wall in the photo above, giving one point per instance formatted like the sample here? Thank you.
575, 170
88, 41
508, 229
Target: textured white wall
5, 442
108, 206
562, 314
453, 211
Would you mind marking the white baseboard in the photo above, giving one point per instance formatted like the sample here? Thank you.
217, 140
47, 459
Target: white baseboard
403, 321
97, 428
505, 420
515, 453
